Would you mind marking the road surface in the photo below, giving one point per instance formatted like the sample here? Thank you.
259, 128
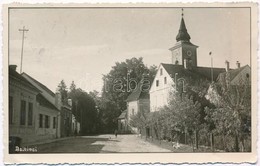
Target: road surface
101, 144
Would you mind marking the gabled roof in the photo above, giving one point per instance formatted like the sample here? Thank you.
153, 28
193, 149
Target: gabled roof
233, 72
123, 115
138, 93
198, 72
40, 84
44, 102
16, 76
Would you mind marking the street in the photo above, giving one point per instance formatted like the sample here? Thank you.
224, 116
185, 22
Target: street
101, 144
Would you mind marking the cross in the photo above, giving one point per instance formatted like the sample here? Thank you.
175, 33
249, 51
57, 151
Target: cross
22, 30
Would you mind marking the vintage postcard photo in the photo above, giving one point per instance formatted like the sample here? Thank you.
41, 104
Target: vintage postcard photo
130, 83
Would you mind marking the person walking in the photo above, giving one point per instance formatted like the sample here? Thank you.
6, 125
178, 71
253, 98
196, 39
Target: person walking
116, 133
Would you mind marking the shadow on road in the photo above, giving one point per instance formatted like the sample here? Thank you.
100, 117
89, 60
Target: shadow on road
75, 145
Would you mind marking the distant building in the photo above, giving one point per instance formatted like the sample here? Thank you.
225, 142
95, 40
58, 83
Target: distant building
122, 123
137, 101
184, 65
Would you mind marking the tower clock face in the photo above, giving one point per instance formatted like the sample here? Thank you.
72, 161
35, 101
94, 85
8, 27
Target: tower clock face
189, 53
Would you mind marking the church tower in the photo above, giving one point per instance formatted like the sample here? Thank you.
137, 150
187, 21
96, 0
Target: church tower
184, 52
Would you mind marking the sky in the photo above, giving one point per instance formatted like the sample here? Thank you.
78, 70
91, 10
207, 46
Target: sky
82, 44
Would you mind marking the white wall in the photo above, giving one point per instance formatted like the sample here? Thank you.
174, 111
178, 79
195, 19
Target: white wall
159, 95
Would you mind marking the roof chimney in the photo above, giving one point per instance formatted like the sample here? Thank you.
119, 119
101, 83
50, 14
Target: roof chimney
227, 65
238, 64
13, 67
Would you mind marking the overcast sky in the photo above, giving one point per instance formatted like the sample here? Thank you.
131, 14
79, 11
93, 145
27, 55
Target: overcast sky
82, 44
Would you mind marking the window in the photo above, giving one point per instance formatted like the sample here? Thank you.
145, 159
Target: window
165, 80
54, 122
23, 113
161, 72
157, 82
30, 114
47, 121
11, 109
133, 111
40, 120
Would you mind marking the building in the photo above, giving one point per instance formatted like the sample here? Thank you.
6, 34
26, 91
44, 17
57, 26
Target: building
22, 107
137, 101
122, 123
179, 71
64, 119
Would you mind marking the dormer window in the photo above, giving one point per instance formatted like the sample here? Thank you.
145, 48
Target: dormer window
161, 71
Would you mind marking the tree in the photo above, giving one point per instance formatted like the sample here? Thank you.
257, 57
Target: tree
232, 115
122, 79
62, 89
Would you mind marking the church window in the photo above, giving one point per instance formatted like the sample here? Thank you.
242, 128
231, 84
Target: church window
157, 82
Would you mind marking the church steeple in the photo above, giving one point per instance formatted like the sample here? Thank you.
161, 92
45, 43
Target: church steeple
184, 52
183, 34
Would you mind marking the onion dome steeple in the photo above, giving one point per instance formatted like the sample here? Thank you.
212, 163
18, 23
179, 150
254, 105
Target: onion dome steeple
183, 34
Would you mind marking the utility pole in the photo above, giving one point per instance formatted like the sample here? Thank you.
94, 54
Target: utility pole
211, 66
22, 30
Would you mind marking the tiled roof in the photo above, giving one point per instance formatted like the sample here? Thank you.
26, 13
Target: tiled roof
15, 75
40, 84
198, 72
122, 115
44, 102
138, 93
233, 72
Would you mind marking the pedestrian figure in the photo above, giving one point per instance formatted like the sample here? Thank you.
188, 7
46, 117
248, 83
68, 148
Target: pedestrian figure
116, 133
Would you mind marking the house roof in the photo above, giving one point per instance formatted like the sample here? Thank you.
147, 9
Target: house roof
138, 93
40, 84
233, 72
44, 102
123, 115
198, 72
16, 76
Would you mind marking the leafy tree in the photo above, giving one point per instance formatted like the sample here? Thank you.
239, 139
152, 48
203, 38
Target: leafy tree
118, 84
232, 115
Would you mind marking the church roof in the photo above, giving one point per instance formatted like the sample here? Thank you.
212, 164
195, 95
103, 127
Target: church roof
183, 34
198, 72
138, 93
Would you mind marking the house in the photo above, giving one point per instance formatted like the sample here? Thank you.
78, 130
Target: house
64, 118
238, 78
181, 71
22, 107
137, 101
122, 123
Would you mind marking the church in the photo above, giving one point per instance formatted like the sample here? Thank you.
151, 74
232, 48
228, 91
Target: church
184, 64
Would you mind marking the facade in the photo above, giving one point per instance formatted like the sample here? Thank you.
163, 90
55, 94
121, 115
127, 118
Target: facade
22, 107
64, 118
47, 119
183, 66
137, 101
